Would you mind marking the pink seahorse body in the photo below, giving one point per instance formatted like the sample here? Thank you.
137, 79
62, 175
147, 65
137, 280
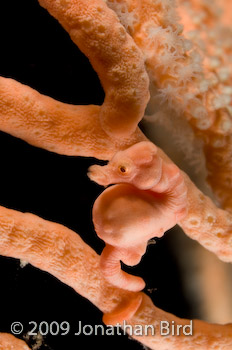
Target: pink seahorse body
150, 197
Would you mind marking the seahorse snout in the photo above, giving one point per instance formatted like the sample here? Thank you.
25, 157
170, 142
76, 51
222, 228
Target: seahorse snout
98, 174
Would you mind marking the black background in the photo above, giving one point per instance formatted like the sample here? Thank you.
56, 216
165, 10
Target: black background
35, 50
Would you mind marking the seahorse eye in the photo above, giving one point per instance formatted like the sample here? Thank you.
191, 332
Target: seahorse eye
122, 169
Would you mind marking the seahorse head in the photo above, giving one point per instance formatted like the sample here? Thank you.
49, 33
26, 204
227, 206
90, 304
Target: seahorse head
138, 165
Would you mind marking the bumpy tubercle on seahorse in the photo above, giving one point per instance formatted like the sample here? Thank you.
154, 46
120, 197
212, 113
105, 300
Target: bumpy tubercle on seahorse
150, 197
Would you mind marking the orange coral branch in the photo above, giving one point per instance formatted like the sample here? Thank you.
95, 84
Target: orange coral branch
209, 225
96, 30
56, 126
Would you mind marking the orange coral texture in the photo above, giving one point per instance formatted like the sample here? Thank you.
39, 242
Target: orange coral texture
9, 342
133, 46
